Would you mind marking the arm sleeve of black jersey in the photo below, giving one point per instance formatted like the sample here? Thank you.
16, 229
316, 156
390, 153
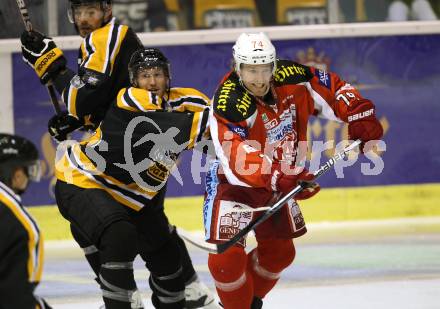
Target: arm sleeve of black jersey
62, 80
15, 289
91, 92
85, 92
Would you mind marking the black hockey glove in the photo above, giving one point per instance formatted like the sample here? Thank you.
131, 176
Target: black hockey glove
41, 53
61, 125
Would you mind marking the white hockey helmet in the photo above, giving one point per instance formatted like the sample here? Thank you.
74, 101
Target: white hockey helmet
253, 48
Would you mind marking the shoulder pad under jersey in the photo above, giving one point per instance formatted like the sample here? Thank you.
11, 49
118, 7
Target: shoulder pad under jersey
99, 48
232, 101
136, 99
290, 72
180, 95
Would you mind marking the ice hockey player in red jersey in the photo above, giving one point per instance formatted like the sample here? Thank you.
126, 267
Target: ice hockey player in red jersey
259, 121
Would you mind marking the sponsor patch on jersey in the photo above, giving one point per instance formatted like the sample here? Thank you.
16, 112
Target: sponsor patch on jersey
271, 124
324, 78
158, 172
223, 96
91, 78
230, 221
242, 132
243, 104
77, 82
293, 110
285, 72
284, 127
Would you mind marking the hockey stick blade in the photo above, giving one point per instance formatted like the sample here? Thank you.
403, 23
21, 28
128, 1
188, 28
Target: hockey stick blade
28, 25
274, 208
201, 244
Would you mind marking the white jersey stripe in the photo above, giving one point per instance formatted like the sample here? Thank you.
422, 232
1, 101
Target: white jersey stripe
116, 47
320, 104
83, 170
232, 179
132, 97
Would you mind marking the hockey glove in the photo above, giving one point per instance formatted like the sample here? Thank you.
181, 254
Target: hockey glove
41, 53
285, 183
363, 124
61, 125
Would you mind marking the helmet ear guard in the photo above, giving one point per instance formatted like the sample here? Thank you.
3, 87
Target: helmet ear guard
253, 48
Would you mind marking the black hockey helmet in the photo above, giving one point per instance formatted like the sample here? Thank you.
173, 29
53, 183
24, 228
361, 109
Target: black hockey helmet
145, 58
76, 3
17, 151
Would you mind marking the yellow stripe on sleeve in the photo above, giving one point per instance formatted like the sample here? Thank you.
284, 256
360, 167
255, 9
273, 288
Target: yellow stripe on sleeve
35, 243
71, 106
195, 128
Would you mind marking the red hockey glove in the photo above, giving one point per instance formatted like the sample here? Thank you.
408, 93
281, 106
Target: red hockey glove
362, 123
285, 183
41, 53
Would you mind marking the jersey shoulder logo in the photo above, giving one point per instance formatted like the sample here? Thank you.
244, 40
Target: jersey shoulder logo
290, 72
232, 101
324, 78
241, 131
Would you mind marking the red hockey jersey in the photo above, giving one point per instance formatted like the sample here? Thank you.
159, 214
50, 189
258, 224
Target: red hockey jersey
249, 132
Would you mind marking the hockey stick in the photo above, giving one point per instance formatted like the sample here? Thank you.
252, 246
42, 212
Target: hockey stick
28, 25
274, 208
201, 244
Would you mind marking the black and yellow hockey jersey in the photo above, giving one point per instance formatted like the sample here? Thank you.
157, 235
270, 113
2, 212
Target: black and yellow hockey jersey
137, 144
21, 253
103, 70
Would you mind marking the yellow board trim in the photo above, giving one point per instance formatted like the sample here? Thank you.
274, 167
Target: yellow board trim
337, 204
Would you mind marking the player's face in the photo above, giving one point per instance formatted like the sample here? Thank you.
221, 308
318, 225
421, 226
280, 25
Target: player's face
153, 80
89, 17
256, 77
19, 181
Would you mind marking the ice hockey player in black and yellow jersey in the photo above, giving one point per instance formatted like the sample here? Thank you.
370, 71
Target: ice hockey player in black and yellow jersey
102, 71
102, 63
21, 243
112, 187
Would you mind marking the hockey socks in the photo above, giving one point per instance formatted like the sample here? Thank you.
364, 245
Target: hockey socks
266, 262
118, 250
234, 285
166, 279
189, 273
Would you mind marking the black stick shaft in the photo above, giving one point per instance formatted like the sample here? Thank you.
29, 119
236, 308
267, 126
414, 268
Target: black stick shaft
28, 25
